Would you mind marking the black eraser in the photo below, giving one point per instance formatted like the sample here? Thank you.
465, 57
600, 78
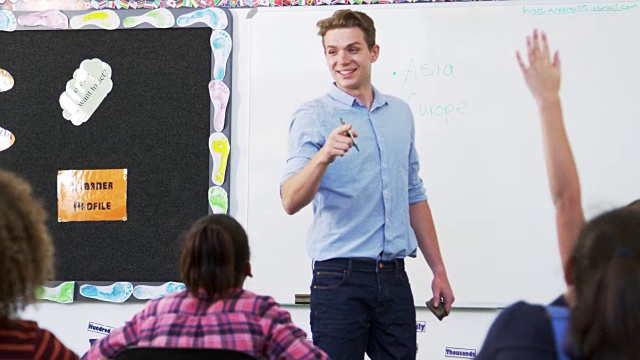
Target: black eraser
439, 311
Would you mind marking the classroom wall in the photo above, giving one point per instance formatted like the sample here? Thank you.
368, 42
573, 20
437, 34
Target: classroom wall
464, 329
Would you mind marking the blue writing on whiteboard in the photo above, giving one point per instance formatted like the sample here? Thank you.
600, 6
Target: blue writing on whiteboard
577, 8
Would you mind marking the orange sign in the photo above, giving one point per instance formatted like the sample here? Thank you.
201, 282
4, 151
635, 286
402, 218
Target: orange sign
92, 195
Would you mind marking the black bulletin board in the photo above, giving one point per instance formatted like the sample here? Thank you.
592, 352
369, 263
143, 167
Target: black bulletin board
155, 122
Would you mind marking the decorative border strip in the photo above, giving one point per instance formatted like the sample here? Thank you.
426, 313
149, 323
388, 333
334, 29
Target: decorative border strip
29, 5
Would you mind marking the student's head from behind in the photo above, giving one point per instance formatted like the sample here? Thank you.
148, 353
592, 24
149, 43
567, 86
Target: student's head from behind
606, 275
26, 250
215, 256
349, 41
634, 205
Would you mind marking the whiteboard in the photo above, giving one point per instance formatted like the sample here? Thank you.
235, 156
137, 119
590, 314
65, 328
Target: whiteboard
477, 133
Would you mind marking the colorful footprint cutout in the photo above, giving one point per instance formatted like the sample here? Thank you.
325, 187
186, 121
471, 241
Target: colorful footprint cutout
117, 292
159, 18
215, 18
218, 200
144, 292
7, 21
221, 45
51, 18
219, 148
6, 139
106, 19
6, 81
219, 94
62, 293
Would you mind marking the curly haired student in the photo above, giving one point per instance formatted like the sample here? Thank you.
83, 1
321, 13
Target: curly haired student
26, 261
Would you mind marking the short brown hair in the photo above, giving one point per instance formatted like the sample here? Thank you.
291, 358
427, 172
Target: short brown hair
26, 250
349, 19
214, 256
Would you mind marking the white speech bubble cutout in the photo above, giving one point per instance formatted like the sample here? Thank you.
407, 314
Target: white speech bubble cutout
85, 92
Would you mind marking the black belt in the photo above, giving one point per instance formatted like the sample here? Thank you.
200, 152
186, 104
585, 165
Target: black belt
361, 264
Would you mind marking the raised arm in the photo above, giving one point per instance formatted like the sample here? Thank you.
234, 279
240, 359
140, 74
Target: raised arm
542, 76
299, 189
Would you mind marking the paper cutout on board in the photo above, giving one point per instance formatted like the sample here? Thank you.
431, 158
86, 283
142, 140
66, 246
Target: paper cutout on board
221, 45
117, 292
92, 195
219, 147
6, 80
7, 21
62, 293
213, 17
149, 292
105, 19
6, 139
51, 18
85, 92
218, 200
219, 94
159, 18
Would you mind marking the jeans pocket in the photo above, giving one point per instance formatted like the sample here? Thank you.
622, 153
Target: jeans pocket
404, 278
328, 279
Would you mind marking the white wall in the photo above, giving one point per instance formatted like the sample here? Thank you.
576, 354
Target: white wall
464, 328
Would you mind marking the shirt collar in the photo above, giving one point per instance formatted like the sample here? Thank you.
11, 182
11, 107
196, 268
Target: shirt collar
337, 94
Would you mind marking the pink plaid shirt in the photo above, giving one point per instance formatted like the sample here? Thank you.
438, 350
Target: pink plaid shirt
245, 322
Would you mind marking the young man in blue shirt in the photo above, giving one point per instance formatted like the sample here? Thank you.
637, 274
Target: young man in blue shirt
365, 202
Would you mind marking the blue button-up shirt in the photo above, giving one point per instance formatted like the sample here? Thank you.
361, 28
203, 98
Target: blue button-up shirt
362, 206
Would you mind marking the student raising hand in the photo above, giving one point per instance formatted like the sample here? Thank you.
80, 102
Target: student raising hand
543, 74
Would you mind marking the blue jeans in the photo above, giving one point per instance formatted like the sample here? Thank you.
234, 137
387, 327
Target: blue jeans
363, 305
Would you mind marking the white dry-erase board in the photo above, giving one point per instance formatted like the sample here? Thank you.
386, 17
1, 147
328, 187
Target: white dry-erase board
478, 134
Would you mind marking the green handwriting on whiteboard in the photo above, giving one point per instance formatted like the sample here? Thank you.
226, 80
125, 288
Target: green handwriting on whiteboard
415, 72
437, 111
577, 8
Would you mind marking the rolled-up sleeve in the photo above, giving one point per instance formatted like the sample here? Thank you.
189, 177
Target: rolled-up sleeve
305, 139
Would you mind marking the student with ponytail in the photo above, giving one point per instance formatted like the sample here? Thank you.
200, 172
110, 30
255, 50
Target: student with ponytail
598, 317
214, 311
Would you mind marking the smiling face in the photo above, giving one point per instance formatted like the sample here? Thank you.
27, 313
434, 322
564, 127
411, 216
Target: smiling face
349, 60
